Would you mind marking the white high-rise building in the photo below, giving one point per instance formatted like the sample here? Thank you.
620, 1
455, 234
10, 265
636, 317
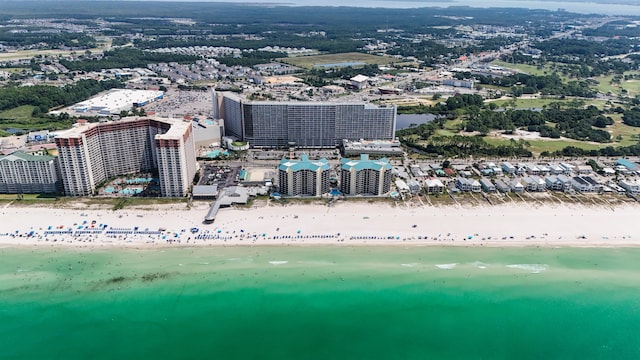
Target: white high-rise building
93, 153
24, 173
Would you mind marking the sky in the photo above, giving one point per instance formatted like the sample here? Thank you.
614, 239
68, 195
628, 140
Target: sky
605, 7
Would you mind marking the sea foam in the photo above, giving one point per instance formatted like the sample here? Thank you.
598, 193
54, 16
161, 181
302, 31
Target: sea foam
277, 262
410, 265
446, 266
532, 268
479, 265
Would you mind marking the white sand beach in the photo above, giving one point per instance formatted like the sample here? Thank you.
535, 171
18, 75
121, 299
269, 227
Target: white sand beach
343, 223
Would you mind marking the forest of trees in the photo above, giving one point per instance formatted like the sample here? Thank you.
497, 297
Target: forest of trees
46, 97
574, 123
52, 40
531, 84
631, 117
458, 145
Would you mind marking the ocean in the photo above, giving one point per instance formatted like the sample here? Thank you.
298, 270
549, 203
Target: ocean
320, 302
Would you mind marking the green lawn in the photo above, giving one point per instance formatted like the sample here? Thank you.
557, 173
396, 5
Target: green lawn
21, 113
538, 146
20, 118
631, 86
452, 124
14, 70
309, 61
629, 134
539, 103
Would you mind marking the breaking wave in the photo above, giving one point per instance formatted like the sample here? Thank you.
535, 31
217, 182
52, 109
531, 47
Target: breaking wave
278, 262
446, 266
532, 268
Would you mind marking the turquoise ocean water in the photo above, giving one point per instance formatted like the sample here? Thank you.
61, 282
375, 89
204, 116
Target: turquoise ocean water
320, 303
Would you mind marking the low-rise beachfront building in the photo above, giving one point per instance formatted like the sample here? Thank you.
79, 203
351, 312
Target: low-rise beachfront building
532, 169
465, 184
21, 173
567, 183
632, 186
495, 170
516, 186
365, 176
544, 170
581, 185
434, 186
487, 185
402, 186
630, 166
92, 153
414, 186
595, 186
416, 171
584, 169
502, 186
617, 188
553, 183
555, 169
567, 169
540, 184
529, 184
304, 177
390, 147
507, 168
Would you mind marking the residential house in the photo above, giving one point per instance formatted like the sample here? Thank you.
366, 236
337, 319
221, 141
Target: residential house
487, 185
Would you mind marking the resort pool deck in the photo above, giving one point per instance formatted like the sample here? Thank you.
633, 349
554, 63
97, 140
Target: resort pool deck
130, 191
216, 153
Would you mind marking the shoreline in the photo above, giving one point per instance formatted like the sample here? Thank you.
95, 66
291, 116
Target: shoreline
342, 224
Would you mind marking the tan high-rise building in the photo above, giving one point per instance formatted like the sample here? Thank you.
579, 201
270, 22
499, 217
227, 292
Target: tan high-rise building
304, 177
93, 153
365, 176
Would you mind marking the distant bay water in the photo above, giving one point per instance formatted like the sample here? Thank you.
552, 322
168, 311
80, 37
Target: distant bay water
582, 7
404, 121
320, 302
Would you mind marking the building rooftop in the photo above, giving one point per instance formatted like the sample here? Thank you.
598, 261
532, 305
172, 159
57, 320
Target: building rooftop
178, 127
243, 98
303, 164
628, 164
22, 156
119, 98
365, 163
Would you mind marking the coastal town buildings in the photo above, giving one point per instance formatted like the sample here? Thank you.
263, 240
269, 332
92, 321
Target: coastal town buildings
24, 173
308, 124
304, 177
93, 153
365, 176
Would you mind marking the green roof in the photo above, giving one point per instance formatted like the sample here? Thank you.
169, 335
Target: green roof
303, 164
23, 156
365, 163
